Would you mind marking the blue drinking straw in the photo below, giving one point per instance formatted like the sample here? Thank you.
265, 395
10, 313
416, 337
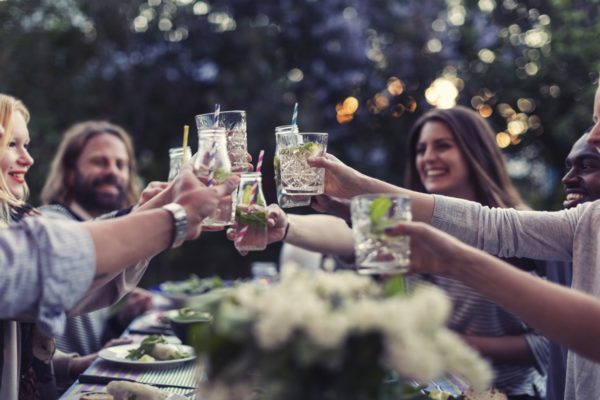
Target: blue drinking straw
295, 115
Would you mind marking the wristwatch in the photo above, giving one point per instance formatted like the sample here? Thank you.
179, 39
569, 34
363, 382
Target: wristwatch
180, 223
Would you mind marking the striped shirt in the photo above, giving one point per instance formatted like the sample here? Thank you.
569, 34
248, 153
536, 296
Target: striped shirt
474, 315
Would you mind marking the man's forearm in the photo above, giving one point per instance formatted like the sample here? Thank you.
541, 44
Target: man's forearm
126, 240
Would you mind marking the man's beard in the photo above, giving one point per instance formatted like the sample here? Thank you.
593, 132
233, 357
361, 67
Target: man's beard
85, 194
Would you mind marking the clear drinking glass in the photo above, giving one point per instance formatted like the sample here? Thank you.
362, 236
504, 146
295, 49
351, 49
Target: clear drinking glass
293, 149
251, 214
212, 166
234, 123
377, 252
176, 159
286, 200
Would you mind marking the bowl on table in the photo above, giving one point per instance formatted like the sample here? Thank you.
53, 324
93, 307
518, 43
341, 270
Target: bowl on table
184, 319
180, 293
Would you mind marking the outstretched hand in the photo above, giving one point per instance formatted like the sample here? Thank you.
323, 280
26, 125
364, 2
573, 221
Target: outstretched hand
340, 180
199, 200
151, 191
431, 250
277, 222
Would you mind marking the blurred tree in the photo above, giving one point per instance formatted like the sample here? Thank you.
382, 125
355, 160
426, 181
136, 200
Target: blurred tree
529, 66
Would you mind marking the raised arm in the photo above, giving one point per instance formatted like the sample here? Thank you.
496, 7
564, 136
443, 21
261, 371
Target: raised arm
54, 262
567, 316
345, 182
317, 232
498, 231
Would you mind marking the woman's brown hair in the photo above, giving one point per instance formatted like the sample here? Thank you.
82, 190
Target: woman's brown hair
476, 140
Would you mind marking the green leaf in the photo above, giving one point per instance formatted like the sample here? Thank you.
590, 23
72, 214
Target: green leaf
395, 286
379, 209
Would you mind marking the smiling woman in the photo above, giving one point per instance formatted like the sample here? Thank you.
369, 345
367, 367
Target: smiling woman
453, 152
15, 161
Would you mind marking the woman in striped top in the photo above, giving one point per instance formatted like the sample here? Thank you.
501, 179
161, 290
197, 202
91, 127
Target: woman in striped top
454, 153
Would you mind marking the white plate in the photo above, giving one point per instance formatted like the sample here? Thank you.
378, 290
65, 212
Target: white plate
117, 354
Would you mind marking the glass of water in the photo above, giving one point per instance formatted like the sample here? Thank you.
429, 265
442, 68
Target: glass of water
293, 150
376, 252
212, 167
286, 200
177, 157
234, 123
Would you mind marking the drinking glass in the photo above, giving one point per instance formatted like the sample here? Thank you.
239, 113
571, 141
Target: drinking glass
213, 167
234, 123
297, 177
376, 252
286, 200
177, 155
251, 214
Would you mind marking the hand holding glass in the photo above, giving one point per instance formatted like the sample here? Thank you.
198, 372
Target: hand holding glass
293, 150
376, 252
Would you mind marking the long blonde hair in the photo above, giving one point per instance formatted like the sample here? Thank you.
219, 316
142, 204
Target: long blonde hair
8, 106
57, 188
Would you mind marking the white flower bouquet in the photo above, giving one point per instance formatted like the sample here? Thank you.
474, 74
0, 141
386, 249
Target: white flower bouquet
329, 336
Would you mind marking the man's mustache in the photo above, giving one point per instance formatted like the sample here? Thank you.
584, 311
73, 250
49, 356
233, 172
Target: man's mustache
108, 180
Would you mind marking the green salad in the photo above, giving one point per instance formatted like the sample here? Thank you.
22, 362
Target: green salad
155, 347
191, 286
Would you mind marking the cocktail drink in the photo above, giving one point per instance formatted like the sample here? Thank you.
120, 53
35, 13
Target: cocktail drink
234, 123
251, 214
177, 157
376, 252
297, 176
212, 166
286, 200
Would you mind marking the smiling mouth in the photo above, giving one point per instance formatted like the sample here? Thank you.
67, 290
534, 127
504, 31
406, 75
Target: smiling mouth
435, 173
17, 176
574, 196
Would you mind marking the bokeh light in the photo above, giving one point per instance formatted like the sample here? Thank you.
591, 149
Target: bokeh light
442, 93
395, 86
345, 110
503, 140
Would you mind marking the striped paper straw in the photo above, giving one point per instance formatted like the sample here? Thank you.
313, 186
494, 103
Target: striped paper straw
213, 148
211, 163
240, 236
217, 114
295, 115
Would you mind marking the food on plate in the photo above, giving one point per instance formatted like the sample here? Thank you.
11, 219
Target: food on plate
469, 394
96, 396
155, 346
147, 358
122, 390
191, 286
492, 394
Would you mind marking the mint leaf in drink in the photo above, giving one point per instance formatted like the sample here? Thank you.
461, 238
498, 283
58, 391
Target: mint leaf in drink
255, 219
312, 148
221, 175
378, 209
